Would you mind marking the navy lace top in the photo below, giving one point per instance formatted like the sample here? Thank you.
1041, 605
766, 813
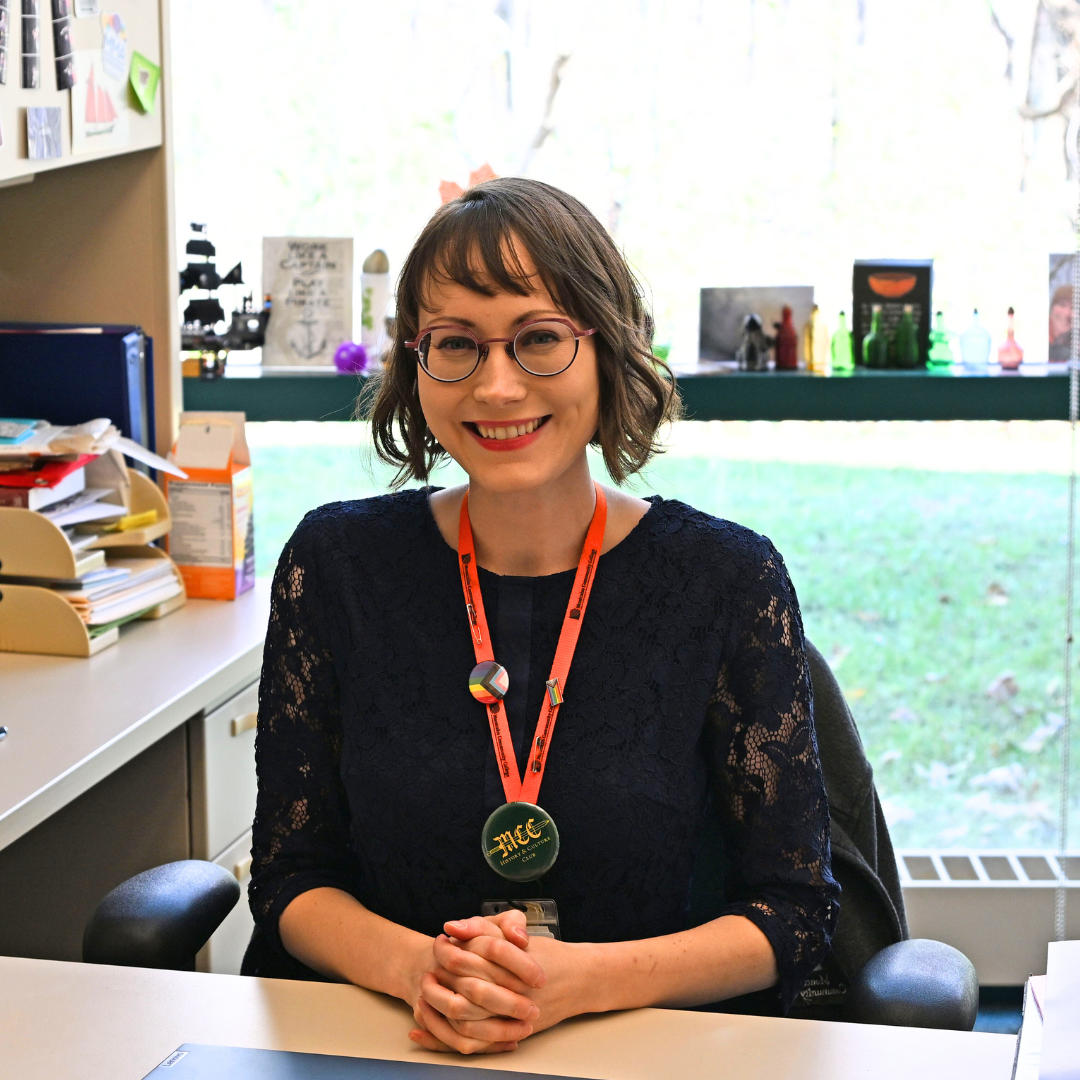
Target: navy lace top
689, 689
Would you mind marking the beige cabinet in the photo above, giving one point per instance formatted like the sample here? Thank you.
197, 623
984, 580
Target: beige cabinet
222, 752
221, 755
224, 952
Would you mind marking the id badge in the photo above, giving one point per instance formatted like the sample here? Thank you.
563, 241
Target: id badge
541, 916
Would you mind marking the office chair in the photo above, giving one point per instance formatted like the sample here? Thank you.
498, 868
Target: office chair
874, 974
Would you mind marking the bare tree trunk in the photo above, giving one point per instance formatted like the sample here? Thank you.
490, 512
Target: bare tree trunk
546, 128
1052, 74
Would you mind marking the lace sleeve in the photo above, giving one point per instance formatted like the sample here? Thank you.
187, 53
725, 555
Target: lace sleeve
768, 784
301, 831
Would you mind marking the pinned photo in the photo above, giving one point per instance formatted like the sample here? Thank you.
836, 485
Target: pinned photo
61, 30
31, 36
65, 72
99, 111
43, 133
31, 73
87, 9
145, 76
114, 45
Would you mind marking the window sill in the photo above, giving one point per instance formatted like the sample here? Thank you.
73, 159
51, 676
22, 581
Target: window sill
1036, 392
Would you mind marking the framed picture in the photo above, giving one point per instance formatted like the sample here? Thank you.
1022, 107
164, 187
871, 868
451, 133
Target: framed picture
1061, 302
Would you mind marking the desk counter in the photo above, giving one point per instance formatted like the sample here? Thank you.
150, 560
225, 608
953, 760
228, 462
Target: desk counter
61, 1020
72, 722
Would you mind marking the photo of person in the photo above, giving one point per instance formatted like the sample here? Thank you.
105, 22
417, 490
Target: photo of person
1061, 275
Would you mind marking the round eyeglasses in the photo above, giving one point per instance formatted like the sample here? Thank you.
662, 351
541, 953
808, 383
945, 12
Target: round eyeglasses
452, 353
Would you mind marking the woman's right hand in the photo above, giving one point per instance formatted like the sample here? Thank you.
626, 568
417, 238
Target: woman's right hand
487, 1011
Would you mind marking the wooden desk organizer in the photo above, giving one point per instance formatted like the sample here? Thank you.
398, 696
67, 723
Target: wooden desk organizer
38, 620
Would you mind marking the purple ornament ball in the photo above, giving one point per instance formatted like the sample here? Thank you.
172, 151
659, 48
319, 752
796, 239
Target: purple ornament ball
350, 358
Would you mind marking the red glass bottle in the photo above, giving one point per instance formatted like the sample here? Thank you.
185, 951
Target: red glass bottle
1010, 354
787, 343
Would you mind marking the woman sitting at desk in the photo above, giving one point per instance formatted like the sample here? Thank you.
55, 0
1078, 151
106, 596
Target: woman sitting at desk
635, 666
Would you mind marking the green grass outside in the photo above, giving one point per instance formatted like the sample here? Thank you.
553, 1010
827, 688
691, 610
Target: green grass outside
937, 596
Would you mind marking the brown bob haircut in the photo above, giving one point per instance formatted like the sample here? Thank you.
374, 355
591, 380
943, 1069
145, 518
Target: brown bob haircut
477, 241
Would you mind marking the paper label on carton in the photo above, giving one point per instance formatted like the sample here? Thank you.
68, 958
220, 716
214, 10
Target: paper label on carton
203, 446
202, 530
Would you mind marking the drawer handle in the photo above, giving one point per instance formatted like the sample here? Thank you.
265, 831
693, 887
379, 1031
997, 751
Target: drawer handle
244, 723
242, 869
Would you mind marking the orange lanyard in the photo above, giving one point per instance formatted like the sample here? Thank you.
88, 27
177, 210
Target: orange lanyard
527, 790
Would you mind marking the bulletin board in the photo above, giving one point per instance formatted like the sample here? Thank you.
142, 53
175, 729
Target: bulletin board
101, 114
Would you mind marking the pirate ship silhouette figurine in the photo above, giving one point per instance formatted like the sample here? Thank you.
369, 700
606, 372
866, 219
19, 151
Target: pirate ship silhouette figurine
204, 315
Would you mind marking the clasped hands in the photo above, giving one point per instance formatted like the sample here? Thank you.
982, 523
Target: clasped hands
487, 985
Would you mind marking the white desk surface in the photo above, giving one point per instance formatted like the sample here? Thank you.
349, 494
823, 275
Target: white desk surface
73, 721
62, 1020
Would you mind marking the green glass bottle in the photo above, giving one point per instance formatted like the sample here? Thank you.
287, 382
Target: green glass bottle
941, 354
875, 346
843, 359
906, 341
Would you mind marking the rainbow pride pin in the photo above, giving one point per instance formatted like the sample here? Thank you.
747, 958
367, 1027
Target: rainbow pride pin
489, 682
553, 692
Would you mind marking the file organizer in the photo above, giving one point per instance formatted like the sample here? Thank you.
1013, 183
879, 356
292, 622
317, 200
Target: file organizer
37, 620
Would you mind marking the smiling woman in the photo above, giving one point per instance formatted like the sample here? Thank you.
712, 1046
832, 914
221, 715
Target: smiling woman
408, 823
534, 243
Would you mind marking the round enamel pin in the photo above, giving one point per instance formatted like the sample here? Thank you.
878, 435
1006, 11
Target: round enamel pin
489, 682
520, 841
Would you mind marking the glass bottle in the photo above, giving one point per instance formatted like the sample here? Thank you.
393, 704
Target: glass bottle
906, 340
941, 354
975, 343
787, 343
1010, 355
875, 346
816, 344
843, 359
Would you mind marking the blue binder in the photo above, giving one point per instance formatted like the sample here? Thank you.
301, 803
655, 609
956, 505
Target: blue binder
193, 1061
69, 378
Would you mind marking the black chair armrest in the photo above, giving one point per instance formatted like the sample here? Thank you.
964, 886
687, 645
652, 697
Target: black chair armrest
916, 983
162, 917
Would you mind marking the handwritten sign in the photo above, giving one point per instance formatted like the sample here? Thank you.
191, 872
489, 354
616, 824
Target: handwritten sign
310, 282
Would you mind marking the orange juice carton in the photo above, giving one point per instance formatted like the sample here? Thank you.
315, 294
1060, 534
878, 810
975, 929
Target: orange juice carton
212, 540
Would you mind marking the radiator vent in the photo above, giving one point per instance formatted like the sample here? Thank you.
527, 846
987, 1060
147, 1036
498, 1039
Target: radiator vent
994, 905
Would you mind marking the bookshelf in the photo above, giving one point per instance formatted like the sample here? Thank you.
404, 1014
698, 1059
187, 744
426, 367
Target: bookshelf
91, 237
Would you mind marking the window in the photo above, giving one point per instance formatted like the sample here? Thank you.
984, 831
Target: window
742, 143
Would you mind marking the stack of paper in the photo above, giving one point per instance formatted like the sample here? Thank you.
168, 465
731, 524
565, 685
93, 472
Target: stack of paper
123, 588
1048, 1047
1061, 1013
94, 437
86, 506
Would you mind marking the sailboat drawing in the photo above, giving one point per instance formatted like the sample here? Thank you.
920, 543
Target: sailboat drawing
100, 111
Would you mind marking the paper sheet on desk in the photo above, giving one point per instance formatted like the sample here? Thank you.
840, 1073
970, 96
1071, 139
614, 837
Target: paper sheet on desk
1029, 1041
1061, 1013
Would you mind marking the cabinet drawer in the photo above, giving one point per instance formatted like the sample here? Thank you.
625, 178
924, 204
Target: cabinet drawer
228, 737
224, 952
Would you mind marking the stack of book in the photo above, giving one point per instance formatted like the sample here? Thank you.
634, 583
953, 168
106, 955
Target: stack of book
77, 554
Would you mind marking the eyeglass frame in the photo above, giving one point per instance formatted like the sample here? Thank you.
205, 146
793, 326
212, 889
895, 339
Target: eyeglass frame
482, 347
